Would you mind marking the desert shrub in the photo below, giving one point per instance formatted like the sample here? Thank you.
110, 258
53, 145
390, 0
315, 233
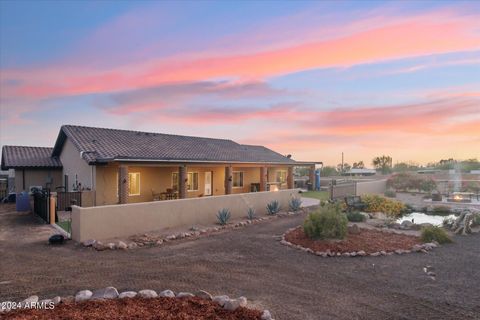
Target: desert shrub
329, 222
355, 216
440, 211
251, 213
273, 207
295, 203
390, 193
432, 233
391, 208
223, 216
406, 181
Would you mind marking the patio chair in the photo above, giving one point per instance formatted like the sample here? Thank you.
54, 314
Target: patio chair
354, 203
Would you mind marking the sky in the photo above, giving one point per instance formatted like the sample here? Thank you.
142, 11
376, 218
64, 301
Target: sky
311, 79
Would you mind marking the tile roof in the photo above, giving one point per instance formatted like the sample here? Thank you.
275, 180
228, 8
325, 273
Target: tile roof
28, 157
103, 145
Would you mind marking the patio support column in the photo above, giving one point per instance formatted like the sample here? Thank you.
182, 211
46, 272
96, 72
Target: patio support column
123, 184
263, 178
311, 174
290, 178
228, 180
182, 182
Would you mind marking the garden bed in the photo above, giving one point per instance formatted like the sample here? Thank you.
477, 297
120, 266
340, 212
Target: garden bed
138, 308
368, 241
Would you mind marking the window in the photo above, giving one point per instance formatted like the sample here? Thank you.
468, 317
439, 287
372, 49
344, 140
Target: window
237, 179
281, 176
134, 183
192, 181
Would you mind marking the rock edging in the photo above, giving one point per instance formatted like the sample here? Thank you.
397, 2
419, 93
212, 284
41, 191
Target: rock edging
421, 248
107, 293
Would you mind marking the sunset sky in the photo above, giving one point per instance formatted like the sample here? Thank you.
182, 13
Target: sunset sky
311, 79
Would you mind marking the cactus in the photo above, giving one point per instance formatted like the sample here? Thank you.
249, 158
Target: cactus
251, 213
223, 216
295, 203
273, 207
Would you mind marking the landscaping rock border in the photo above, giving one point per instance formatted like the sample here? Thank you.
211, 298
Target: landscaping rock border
107, 293
147, 240
421, 248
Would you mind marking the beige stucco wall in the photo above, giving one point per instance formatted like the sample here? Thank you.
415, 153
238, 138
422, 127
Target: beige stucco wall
158, 178
125, 220
371, 187
74, 165
37, 177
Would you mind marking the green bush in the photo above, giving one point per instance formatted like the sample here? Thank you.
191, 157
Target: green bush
273, 207
435, 233
390, 193
355, 216
329, 222
223, 216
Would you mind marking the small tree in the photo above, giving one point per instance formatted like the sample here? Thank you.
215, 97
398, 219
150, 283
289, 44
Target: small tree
383, 163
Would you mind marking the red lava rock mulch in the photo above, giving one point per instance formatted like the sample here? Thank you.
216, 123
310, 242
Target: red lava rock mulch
367, 240
138, 308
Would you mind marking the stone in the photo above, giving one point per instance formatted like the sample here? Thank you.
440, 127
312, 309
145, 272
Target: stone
353, 254
121, 245
167, 294
111, 246
383, 253
45, 302
57, 300
353, 229
361, 253
346, 254
266, 315
243, 301
159, 242
375, 254
99, 246
417, 248
105, 293
407, 224
89, 242
29, 300
132, 245
221, 300
172, 237
231, 304
147, 293
127, 294
399, 251
83, 295
203, 294
185, 295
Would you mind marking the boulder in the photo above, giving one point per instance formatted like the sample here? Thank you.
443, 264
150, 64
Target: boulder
221, 300
89, 242
361, 253
231, 304
83, 295
127, 294
111, 246
203, 294
132, 245
185, 295
167, 293
147, 293
29, 300
121, 245
243, 301
105, 293
56, 300
406, 224
99, 246
266, 315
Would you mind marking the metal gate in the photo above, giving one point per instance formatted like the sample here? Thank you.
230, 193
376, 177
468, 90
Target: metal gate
341, 189
41, 204
66, 199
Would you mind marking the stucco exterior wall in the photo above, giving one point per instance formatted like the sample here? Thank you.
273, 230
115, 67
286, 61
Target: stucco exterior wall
37, 177
128, 219
76, 167
371, 187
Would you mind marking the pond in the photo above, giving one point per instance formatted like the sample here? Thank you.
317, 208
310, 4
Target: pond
419, 217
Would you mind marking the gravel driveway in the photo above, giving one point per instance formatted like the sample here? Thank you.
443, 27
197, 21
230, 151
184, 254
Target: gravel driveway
250, 262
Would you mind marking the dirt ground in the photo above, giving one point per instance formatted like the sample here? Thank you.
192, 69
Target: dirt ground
250, 262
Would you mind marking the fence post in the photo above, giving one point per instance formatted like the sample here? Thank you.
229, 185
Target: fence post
52, 209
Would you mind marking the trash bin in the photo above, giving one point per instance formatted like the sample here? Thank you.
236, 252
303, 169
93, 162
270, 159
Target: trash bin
22, 202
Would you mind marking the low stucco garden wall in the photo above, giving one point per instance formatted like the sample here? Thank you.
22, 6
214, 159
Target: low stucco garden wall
371, 187
128, 219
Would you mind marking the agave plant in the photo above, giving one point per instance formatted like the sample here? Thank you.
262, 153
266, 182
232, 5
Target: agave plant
295, 203
251, 213
223, 216
273, 207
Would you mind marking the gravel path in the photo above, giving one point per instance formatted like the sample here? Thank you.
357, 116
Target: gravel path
250, 262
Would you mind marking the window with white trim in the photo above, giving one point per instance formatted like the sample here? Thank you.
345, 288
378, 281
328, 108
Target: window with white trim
281, 176
237, 177
134, 183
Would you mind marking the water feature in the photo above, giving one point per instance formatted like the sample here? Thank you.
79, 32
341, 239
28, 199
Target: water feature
419, 217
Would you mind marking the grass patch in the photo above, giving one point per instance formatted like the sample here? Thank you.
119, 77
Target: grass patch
320, 195
65, 225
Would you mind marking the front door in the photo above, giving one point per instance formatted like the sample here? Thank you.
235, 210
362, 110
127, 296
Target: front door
208, 183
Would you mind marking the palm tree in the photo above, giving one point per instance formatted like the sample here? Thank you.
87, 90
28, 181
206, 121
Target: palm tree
383, 163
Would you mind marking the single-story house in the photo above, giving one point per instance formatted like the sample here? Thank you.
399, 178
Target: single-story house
123, 166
